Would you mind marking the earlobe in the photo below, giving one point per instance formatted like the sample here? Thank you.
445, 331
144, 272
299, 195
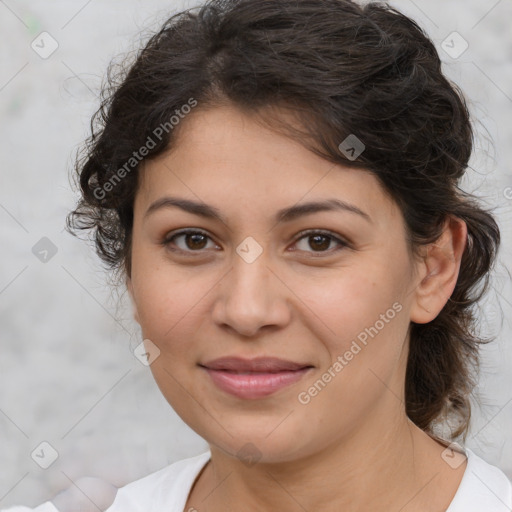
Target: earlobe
129, 287
441, 264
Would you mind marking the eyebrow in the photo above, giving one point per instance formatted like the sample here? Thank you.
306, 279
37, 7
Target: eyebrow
284, 215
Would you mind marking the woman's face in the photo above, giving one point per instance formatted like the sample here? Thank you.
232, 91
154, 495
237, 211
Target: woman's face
336, 300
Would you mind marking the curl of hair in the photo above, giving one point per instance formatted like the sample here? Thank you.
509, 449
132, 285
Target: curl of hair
341, 69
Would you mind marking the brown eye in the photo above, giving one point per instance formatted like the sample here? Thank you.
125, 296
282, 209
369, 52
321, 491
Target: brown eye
319, 242
196, 241
189, 241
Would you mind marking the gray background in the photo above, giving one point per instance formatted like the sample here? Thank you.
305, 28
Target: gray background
68, 375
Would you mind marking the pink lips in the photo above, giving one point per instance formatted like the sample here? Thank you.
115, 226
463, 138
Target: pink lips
254, 378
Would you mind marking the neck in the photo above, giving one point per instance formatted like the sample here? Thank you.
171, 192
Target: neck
383, 465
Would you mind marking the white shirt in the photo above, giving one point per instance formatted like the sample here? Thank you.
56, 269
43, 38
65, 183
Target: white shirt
483, 488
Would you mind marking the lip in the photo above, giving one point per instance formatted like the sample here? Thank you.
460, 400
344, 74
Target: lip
254, 378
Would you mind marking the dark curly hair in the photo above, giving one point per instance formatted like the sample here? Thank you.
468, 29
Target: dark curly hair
342, 69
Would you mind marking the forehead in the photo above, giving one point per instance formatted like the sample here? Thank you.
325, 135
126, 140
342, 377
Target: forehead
227, 158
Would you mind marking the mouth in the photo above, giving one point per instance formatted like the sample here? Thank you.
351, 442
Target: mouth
254, 378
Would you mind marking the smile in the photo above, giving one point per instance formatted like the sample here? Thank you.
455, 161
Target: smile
256, 378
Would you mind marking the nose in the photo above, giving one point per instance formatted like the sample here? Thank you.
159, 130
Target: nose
251, 298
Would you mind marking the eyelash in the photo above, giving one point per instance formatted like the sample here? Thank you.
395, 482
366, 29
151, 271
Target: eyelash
168, 240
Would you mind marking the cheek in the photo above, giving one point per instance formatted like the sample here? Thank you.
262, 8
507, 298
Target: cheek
367, 325
170, 316
365, 311
168, 298
352, 303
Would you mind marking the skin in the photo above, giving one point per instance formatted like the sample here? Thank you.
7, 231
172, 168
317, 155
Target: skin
296, 301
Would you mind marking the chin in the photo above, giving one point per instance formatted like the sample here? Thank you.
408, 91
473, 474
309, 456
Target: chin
263, 440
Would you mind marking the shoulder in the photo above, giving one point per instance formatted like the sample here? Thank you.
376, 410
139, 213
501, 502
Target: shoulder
167, 487
483, 487
45, 507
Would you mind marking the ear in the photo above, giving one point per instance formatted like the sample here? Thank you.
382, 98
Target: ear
129, 287
440, 267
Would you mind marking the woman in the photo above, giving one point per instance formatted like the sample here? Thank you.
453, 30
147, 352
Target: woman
277, 185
